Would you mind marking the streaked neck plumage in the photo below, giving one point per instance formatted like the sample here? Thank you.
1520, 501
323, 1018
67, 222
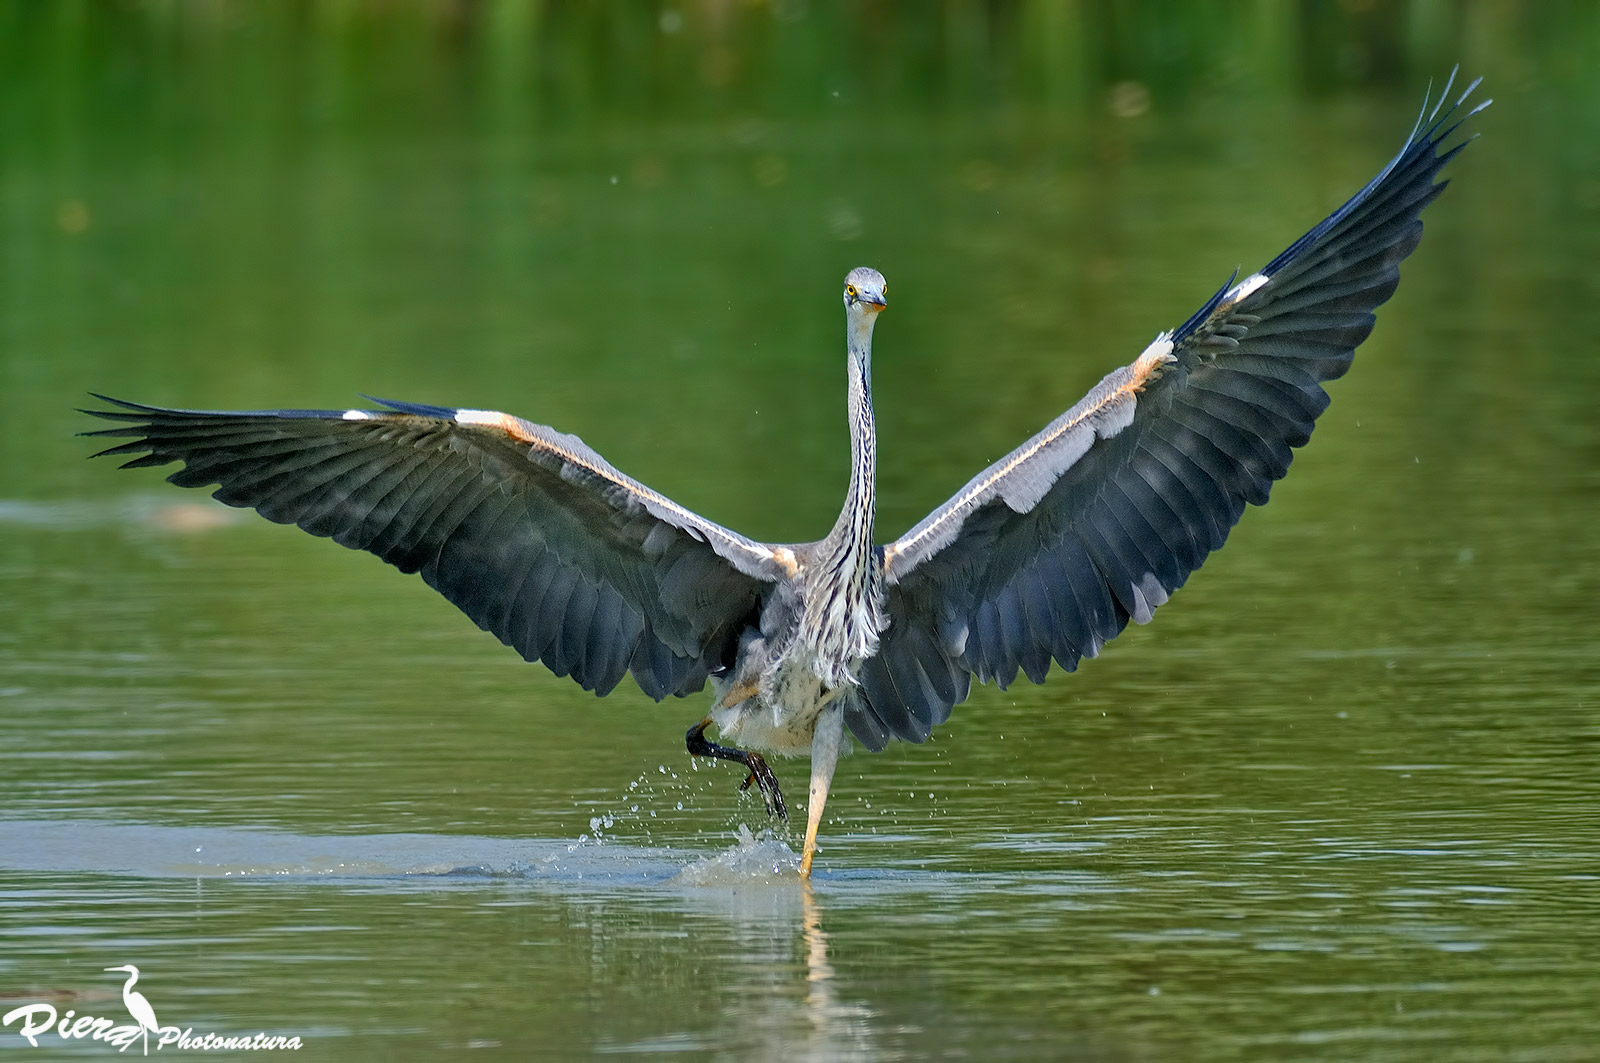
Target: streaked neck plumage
843, 615
852, 532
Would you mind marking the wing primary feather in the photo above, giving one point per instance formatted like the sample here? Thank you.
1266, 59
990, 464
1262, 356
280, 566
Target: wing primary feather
1119, 559
1159, 507
527, 625
340, 504
1067, 633
861, 713
1220, 507
502, 619
1011, 630
429, 485
574, 629
1255, 461
389, 495
1160, 558
1102, 618
1041, 623
552, 615
449, 518
476, 563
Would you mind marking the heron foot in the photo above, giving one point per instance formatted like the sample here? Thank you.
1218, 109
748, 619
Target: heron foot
767, 783
701, 746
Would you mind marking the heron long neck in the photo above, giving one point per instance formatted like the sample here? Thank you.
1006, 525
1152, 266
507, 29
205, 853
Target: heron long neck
851, 537
842, 614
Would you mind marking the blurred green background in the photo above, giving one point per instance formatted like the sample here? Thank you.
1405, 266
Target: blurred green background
1338, 800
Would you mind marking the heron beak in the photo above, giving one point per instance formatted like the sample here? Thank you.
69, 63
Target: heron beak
874, 301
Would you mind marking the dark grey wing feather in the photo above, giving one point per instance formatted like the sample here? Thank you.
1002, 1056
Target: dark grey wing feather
532, 534
1048, 553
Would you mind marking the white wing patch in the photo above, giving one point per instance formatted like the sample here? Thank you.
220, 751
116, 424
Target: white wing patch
487, 418
1247, 287
1239, 293
1152, 360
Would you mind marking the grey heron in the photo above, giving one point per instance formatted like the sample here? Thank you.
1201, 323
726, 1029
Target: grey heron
1044, 556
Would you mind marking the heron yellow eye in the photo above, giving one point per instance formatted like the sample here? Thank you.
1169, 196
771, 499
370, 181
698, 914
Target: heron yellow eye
850, 290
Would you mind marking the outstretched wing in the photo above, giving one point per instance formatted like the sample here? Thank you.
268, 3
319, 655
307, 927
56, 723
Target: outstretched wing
1097, 519
532, 534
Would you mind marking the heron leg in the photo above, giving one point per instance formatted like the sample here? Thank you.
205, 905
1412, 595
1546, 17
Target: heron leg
701, 746
825, 745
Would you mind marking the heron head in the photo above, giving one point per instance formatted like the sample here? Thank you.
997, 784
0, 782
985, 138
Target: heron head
865, 291
126, 968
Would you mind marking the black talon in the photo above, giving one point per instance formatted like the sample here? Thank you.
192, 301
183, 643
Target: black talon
767, 782
760, 774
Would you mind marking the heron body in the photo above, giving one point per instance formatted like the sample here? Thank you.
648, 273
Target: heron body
1041, 558
824, 619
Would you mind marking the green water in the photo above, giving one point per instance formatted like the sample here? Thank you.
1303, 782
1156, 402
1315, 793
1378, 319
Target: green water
1339, 801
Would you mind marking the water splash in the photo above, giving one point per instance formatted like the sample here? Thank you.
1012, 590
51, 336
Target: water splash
754, 858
